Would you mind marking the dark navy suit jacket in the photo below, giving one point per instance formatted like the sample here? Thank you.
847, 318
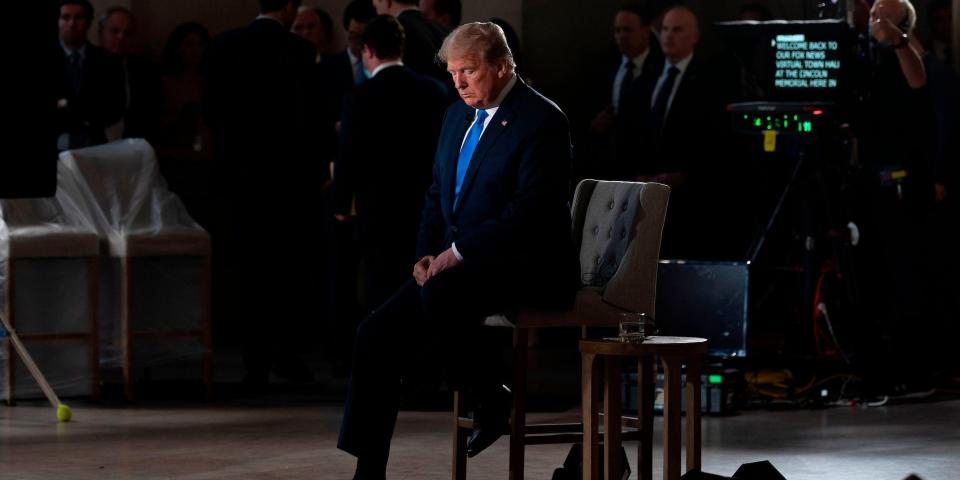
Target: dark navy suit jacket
513, 212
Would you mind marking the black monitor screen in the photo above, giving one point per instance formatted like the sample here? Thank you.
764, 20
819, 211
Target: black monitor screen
705, 299
792, 60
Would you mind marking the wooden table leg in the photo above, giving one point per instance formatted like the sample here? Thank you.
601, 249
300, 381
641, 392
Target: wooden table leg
590, 419
693, 413
645, 383
671, 418
459, 440
611, 419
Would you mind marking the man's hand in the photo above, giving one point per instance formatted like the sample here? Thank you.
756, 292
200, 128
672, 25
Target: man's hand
444, 261
603, 122
884, 30
420, 269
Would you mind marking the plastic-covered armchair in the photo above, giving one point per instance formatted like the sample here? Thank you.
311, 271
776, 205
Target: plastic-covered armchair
41, 242
120, 188
617, 228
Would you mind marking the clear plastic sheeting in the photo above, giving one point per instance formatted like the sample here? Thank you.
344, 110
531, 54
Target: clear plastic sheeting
111, 202
48, 247
119, 187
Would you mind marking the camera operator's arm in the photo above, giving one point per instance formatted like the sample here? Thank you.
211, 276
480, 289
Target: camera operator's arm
887, 33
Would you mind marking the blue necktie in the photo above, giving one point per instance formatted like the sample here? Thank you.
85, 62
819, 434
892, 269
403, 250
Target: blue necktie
659, 110
466, 151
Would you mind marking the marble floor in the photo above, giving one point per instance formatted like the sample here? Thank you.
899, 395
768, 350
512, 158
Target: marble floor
295, 440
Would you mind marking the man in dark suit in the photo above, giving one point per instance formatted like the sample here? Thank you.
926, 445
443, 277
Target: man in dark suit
388, 182
628, 85
141, 78
680, 115
340, 73
494, 236
90, 94
261, 103
424, 38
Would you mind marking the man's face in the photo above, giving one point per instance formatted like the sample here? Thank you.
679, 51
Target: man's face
891, 10
307, 25
118, 34
191, 51
382, 7
679, 34
478, 82
631, 35
74, 24
354, 34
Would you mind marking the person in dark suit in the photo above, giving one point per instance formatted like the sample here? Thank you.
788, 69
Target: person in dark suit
261, 103
90, 93
423, 35
627, 86
446, 13
388, 182
494, 235
680, 113
141, 78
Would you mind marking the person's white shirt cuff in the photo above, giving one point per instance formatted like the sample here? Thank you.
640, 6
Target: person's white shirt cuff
456, 253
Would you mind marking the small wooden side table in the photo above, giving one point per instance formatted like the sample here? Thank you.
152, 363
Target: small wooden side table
672, 352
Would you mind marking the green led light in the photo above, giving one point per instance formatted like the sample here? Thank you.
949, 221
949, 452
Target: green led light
786, 124
795, 118
756, 122
745, 116
806, 126
714, 379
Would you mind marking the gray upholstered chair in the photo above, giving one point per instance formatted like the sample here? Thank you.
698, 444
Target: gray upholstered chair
617, 228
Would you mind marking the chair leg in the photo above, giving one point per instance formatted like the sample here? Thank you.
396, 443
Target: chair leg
10, 365
205, 321
459, 440
518, 420
126, 335
93, 298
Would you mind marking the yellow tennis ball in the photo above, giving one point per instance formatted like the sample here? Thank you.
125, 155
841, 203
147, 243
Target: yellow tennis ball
63, 413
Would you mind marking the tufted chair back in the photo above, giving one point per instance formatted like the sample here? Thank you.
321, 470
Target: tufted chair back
617, 228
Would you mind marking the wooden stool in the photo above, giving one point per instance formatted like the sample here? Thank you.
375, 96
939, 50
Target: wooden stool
45, 242
673, 352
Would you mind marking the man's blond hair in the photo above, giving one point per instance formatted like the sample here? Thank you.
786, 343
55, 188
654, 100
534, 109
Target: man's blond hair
483, 38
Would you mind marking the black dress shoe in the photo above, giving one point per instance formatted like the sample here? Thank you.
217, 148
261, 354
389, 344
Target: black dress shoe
491, 419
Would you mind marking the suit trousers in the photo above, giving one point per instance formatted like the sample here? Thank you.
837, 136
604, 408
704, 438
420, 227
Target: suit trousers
442, 320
